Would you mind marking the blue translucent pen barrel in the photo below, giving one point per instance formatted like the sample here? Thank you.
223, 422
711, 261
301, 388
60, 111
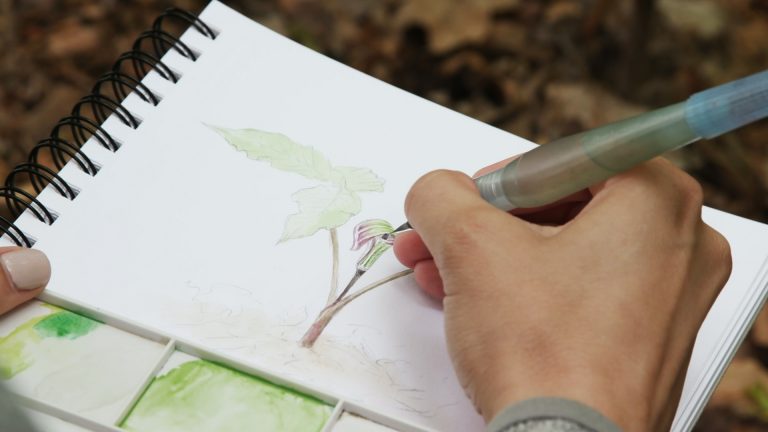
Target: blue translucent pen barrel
568, 165
729, 106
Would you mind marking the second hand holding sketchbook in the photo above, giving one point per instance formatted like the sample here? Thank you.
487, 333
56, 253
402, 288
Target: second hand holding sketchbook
223, 218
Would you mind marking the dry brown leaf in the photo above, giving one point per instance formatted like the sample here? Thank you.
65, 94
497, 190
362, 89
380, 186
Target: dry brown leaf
564, 9
742, 374
57, 103
589, 104
749, 39
703, 18
510, 35
72, 38
452, 23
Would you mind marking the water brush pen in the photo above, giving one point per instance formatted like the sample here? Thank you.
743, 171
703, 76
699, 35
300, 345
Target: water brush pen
567, 165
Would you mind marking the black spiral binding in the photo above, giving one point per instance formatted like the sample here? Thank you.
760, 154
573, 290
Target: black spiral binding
72, 132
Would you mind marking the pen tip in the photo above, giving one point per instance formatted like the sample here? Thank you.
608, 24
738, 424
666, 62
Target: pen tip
404, 227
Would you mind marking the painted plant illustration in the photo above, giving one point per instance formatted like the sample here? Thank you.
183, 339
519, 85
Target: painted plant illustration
327, 206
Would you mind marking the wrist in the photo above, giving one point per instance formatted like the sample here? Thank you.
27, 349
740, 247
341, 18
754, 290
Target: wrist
595, 392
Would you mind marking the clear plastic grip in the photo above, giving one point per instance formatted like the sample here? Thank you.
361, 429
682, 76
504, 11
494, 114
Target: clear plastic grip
568, 165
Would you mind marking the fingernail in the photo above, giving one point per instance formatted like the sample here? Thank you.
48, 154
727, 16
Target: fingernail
28, 269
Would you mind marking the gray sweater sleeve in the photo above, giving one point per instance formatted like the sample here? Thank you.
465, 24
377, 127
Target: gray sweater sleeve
550, 415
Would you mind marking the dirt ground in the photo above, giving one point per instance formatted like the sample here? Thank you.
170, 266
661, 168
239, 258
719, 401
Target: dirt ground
540, 69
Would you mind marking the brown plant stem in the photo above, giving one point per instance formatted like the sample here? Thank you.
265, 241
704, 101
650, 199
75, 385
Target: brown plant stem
335, 266
326, 315
351, 283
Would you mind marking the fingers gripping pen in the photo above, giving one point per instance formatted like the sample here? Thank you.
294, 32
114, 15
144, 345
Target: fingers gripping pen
568, 165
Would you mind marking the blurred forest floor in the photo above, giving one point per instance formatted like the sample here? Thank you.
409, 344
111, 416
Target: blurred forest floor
539, 69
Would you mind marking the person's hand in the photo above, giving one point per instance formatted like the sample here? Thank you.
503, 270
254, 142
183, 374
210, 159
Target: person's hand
25, 272
602, 309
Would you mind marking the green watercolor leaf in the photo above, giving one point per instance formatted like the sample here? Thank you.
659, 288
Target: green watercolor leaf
279, 151
320, 207
360, 179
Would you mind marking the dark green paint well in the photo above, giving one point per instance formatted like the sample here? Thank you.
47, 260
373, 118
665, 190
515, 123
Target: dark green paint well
65, 324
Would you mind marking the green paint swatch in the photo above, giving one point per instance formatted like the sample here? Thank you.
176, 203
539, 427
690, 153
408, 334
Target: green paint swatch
65, 324
15, 353
204, 396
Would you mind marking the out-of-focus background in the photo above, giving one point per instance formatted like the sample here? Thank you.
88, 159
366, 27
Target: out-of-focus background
540, 69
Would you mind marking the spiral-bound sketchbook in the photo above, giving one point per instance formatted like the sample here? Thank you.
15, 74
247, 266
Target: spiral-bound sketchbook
202, 218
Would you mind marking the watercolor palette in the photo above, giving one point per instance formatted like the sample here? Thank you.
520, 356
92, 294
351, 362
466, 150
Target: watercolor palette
71, 361
46, 422
352, 423
193, 395
75, 369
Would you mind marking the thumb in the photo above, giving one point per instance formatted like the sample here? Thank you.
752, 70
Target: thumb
25, 272
447, 211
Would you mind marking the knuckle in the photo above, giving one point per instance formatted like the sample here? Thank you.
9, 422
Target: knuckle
718, 251
463, 235
463, 227
660, 175
685, 198
690, 191
722, 252
421, 191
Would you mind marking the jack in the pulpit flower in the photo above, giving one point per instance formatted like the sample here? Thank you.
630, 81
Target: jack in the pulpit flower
378, 235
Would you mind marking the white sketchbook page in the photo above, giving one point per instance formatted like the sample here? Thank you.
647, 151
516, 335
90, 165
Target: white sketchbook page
179, 231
